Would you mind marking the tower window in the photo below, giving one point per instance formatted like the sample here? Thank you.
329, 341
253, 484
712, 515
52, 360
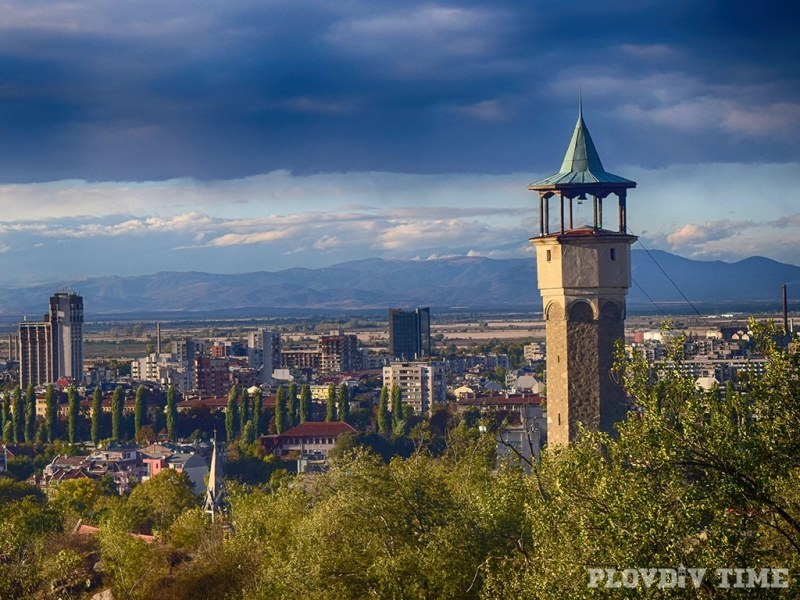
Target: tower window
613, 254
549, 256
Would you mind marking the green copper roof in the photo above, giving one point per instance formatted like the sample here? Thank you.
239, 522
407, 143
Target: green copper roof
581, 164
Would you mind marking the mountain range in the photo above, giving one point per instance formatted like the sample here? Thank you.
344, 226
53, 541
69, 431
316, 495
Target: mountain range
457, 283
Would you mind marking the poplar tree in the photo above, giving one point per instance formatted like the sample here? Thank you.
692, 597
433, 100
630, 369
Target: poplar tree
139, 410
280, 411
397, 405
384, 419
97, 411
305, 403
50, 414
344, 402
18, 417
293, 407
244, 410
330, 413
74, 406
231, 415
6, 415
117, 408
30, 413
258, 410
172, 413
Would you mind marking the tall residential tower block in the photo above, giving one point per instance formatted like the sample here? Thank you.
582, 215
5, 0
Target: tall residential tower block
584, 274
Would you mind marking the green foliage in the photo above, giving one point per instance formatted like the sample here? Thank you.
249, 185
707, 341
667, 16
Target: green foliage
5, 418
50, 414
245, 412
30, 413
258, 413
139, 410
330, 407
384, 419
18, 418
305, 403
97, 413
117, 409
73, 412
133, 567
344, 402
293, 405
398, 410
231, 416
155, 504
78, 497
21, 468
171, 413
281, 416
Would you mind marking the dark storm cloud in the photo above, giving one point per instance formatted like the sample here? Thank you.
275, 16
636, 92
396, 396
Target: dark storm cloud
148, 90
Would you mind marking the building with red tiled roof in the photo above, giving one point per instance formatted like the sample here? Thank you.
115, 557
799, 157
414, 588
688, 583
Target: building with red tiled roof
311, 436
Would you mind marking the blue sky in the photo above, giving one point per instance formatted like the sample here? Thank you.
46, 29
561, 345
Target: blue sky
243, 135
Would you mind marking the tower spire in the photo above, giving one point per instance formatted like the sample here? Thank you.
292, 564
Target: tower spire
215, 491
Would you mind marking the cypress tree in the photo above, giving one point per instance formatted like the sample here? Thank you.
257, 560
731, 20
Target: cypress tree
280, 411
117, 409
305, 403
97, 411
139, 410
50, 414
397, 405
74, 406
258, 410
330, 413
30, 413
172, 413
293, 405
18, 417
384, 420
344, 402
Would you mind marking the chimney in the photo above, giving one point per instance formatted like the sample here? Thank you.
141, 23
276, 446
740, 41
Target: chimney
158, 338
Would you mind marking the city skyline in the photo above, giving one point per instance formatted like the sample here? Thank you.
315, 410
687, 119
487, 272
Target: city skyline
240, 137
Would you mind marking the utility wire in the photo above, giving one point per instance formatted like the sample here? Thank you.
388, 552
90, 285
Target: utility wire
672, 281
653, 302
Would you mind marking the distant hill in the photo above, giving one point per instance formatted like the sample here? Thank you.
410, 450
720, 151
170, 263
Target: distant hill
376, 283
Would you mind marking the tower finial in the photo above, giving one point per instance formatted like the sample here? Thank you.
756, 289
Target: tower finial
580, 103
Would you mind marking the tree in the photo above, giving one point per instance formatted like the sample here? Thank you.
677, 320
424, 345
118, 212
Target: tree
73, 410
156, 503
30, 413
244, 410
305, 403
397, 405
384, 419
344, 402
97, 412
139, 410
117, 409
258, 412
172, 413
50, 414
280, 411
5, 415
18, 417
293, 405
330, 412
231, 415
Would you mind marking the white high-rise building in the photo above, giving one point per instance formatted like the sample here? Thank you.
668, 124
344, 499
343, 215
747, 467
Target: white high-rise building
421, 384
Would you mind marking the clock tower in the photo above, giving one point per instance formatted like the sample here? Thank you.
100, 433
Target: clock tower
584, 274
